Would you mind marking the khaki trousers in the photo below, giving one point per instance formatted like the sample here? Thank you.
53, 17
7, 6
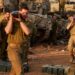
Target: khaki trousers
16, 58
71, 44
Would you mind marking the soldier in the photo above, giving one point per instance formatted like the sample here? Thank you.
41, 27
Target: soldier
3, 38
53, 34
3, 43
71, 42
18, 32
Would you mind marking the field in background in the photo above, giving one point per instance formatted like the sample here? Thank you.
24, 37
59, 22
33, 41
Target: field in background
68, 7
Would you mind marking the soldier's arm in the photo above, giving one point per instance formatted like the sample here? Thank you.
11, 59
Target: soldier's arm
8, 27
70, 24
24, 27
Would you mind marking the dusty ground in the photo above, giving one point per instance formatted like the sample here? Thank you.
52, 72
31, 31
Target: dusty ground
44, 54
48, 55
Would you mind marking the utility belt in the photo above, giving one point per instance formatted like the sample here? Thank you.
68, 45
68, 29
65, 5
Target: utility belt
14, 45
17, 44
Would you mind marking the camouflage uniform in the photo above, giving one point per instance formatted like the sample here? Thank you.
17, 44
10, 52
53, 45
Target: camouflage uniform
18, 44
71, 42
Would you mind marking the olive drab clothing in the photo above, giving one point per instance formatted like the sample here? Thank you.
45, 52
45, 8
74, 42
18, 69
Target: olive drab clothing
17, 35
14, 56
32, 36
72, 30
53, 34
18, 45
71, 41
1, 16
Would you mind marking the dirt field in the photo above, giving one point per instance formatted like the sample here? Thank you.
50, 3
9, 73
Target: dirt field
44, 54
55, 55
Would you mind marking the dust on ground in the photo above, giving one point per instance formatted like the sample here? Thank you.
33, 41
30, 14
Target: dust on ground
47, 54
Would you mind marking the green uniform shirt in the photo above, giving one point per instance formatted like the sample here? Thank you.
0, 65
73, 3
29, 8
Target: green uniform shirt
17, 35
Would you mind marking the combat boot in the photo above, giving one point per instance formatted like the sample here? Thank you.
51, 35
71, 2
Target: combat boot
26, 67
